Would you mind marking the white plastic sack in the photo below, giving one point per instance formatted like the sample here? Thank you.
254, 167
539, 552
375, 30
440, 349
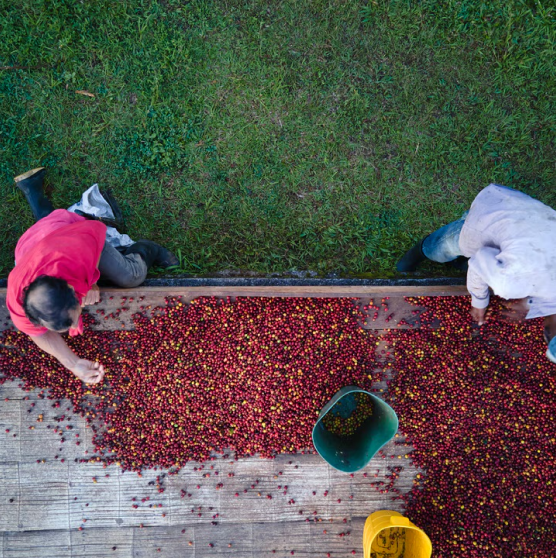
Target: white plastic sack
93, 202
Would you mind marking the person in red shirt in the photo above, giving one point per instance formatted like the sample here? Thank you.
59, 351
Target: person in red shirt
58, 262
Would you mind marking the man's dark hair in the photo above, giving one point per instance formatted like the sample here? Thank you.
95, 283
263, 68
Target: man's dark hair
57, 299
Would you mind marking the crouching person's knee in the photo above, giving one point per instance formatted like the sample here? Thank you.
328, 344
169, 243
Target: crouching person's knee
133, 273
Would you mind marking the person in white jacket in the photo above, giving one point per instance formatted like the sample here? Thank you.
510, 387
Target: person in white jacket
510, 240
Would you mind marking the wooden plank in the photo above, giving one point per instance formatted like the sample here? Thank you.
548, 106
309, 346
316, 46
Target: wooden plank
280, 539
38, 439
44, 494
165, 542
240, 537
340, 539
229, 539
309, 539
115, 310
11, 391
305, 539
99, 543
117, 306
94, 498
37, 544
9, 496
294, 291
4, 313
10, 430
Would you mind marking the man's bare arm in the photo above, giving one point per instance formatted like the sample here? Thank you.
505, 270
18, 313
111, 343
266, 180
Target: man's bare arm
53, 344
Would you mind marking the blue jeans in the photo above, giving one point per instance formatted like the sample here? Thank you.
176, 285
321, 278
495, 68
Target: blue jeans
443, 245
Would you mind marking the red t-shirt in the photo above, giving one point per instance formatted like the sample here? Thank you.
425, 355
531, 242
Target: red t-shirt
63, 245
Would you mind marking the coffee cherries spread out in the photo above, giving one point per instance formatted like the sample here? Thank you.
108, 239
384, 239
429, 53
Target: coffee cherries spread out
249, 376
477, 404
479, 407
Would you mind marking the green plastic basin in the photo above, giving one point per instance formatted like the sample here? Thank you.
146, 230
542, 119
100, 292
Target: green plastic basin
349, 453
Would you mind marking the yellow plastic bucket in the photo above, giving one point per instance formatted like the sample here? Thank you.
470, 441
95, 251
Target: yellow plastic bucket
388, 534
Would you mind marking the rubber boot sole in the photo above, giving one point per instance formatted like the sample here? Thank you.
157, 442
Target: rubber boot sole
28, 174
31, 183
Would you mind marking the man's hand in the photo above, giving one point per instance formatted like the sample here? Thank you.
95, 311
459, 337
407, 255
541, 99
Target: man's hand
92, 297
514, 310
549, 328
87, 371
478, 315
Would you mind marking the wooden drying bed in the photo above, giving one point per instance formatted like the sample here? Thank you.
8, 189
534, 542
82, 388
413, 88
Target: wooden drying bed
52, 509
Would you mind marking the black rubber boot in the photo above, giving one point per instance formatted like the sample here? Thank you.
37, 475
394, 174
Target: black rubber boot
461, 263
412, 258
153, 254
31, 184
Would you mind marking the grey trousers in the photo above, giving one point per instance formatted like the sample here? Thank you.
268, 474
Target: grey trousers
123, 271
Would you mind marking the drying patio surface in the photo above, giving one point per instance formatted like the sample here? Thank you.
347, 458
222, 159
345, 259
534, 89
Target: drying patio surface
54, 503
43, 505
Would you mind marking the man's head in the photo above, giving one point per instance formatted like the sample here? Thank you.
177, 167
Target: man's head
51, 302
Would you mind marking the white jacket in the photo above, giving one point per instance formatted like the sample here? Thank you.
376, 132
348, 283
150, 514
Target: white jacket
510, 239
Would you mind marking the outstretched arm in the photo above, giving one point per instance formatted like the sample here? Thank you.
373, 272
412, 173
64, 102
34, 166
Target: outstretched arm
54, 344
480, 296
480, 275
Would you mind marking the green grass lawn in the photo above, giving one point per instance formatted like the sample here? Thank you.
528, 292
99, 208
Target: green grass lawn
323, 135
